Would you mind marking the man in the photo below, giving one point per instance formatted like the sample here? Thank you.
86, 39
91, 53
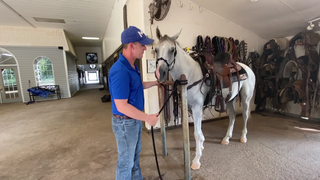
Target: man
126, 89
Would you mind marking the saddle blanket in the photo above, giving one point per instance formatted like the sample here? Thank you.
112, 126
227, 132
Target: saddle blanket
242, 76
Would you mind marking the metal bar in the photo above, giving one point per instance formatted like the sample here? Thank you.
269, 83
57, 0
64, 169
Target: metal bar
185, 128
162, 122
311, 21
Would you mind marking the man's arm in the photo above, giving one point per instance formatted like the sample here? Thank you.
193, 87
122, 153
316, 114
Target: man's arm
125, 108
150, 84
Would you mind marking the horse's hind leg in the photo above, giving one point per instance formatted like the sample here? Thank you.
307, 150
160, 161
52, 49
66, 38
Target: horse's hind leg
246, 96
197, 117
232, 114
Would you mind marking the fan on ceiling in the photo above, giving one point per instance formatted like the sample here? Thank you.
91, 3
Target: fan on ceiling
159, 9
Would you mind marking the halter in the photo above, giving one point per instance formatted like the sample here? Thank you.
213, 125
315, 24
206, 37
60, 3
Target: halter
166, 61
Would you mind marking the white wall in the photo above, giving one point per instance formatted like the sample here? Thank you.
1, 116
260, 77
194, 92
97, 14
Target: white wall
25, 57
81, 52
73, 78
111, 40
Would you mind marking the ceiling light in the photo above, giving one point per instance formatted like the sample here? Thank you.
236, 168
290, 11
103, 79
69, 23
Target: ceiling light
6, 54
91, 38
49, 20
253, 0
311, 25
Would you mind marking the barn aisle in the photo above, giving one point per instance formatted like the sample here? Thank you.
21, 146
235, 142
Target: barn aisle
72, 139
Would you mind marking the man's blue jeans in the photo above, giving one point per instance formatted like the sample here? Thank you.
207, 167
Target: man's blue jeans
128, 136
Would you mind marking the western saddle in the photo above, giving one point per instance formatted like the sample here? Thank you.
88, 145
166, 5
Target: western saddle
294, 76
219, 72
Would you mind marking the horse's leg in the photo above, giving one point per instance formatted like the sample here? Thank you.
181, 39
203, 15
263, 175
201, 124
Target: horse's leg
197, 117
247, 91
232, 114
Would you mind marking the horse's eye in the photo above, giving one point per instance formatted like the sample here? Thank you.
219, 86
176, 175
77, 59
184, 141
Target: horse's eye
156, 50
172, 50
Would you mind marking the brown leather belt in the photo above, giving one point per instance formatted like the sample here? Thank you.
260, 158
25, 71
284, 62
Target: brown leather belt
122, 116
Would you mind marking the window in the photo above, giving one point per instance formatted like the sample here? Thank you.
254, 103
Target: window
43, 71
10, 83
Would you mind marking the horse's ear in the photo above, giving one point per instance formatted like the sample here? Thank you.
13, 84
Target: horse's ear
175, 37
159, 36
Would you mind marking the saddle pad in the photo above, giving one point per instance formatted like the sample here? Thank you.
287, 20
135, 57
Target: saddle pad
282, 42
242, 71
299, 50
241, 76
234, 69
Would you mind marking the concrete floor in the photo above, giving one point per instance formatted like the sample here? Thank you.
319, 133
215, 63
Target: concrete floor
72, 139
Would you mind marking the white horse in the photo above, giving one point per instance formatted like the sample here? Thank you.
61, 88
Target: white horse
171, 57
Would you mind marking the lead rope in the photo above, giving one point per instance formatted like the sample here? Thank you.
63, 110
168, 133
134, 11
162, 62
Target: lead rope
155, 153
175, 85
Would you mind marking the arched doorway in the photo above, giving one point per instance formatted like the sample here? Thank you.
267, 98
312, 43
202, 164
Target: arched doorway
10, 90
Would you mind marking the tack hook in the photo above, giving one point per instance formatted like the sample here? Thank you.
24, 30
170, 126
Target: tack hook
200, 9
190, 6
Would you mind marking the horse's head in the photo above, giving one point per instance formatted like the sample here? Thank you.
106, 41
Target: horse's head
166, 50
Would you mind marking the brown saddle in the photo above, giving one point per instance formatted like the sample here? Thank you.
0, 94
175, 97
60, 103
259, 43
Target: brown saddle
224, 66
218, 70
293, 92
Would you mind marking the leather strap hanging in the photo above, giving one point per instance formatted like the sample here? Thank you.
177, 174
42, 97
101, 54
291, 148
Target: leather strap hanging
208, 45
235, 55
243, 51
216, 45
199, 44
222, 44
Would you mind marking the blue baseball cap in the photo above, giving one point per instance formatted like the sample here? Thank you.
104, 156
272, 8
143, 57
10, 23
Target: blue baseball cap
133, 34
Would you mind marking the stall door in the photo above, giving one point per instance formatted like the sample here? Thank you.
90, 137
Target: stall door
10, 85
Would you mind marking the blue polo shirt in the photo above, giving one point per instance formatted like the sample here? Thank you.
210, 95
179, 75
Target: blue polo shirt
125, 83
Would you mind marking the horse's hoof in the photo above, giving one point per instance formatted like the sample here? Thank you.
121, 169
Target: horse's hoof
195, 166
243, 140
224, 142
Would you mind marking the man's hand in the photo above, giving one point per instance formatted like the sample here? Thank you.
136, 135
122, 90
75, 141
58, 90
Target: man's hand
153, 119
168, 83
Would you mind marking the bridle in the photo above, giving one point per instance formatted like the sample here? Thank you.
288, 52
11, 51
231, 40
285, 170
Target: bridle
166, 61
173, 63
